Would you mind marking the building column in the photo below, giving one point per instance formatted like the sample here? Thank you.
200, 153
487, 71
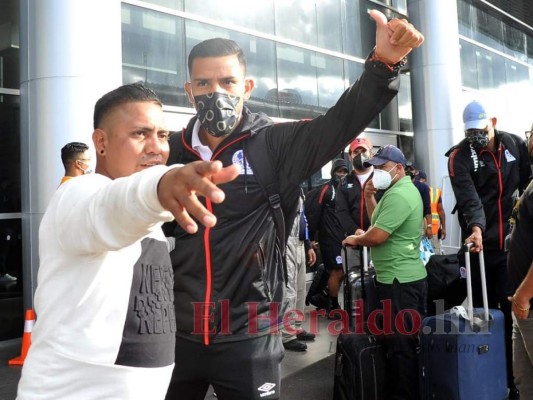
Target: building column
436, 98
435, 84
70, 55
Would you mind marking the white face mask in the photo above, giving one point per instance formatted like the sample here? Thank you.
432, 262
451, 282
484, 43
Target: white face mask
382, 179
85, 171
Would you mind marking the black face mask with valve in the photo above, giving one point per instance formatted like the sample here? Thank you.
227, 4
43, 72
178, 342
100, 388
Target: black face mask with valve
478, 138
217, 112
359, 160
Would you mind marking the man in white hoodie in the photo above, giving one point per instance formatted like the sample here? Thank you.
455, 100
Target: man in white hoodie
105, 315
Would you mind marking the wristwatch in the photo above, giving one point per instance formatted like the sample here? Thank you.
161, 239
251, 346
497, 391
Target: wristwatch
392, 68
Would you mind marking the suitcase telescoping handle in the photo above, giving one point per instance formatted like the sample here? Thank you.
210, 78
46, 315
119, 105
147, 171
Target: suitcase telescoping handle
469, 296
364, 266
364, 257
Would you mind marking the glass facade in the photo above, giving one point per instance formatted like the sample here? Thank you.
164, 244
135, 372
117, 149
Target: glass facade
492, 29
496, 60
11, 313
301, 54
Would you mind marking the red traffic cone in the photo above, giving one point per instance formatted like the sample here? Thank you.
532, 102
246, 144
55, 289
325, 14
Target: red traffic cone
26, 338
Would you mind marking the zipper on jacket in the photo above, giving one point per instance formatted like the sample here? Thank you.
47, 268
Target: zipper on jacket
208, 283
207, 247
497, 163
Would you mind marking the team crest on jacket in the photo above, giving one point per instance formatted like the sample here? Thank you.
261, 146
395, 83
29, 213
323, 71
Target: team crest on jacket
509, 156
239, 159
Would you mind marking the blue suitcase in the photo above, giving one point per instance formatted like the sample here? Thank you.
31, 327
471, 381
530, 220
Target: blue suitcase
463, 352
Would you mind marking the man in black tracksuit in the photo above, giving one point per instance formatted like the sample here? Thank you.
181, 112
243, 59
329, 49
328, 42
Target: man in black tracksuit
487, 169
229, 279
332, 229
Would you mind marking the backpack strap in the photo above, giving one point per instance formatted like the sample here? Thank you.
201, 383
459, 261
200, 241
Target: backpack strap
260, 159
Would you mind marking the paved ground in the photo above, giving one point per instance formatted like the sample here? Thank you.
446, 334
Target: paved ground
300, 371
9, 376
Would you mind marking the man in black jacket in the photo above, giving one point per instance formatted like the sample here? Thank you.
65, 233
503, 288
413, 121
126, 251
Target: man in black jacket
351, 202
486, 170
331, 230
229, 281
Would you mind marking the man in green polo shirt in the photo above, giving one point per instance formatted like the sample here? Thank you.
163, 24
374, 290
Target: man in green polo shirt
394, 238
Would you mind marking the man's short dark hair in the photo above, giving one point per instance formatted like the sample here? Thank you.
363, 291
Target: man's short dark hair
217, 47
72, 151
131, 93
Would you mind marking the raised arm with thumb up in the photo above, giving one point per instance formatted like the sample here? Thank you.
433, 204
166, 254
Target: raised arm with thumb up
395, 38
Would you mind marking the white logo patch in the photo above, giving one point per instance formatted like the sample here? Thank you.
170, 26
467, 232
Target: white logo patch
239, 159
266, 388
339, 260
508, 156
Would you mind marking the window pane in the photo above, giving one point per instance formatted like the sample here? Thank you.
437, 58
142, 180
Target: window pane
488, 30
468, 65
10, 154
257, 15
152, 52
330, 72
261, 60
404, 104
515, 42
516, 73
9, 44
173, 4
353, 72
530, 49
297, 81
400, 5
296, 20
466, 22
389, 118
491, 69
352, 16
328, 14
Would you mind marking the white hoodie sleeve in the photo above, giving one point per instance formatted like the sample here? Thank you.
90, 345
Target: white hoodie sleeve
109, 214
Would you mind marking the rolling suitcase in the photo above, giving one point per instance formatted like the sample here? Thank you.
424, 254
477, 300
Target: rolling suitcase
360, 361
463, 351
360, 365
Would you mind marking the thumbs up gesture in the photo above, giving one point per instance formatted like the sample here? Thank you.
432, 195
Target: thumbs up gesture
395, 38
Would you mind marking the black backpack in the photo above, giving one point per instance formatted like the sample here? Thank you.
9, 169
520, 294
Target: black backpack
314, 209
260, 160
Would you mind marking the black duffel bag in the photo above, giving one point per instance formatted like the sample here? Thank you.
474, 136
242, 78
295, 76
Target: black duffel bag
318, 291
446, 283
